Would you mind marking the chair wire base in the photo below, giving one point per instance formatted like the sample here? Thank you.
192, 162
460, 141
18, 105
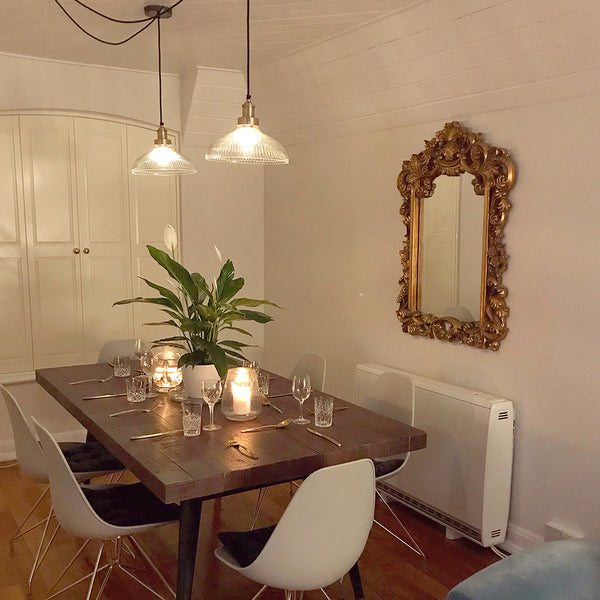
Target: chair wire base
18, 533
415, 547
114, 549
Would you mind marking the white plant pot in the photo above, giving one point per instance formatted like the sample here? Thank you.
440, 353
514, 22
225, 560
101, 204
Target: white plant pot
193, 376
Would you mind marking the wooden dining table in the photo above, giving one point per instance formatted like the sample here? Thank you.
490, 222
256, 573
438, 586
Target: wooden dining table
189, 470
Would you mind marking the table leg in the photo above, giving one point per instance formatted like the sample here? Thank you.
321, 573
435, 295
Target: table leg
356, 582
189, 523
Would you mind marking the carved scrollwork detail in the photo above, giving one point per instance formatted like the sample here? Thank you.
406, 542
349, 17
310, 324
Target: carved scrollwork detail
452, 151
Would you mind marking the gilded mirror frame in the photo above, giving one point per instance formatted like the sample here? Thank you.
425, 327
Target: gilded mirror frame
452, 151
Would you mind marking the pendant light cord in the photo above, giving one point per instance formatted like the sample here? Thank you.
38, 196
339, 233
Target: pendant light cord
159, 71
248, 50
148, 21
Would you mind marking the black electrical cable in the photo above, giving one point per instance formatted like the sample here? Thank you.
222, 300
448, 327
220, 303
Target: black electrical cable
148, 21
99, 39
159, 74
248, 50
121, 20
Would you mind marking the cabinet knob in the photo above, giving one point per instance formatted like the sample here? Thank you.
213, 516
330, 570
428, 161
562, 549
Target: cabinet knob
76, 250
86, 250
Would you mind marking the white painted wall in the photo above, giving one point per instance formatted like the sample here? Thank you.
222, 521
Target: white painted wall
349, 111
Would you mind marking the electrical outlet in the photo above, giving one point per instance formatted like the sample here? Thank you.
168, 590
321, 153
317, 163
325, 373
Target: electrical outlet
554, 531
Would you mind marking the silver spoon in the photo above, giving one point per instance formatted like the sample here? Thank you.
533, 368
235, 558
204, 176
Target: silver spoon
283, 423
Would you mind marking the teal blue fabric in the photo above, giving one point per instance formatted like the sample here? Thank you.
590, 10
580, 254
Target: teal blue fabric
565, 570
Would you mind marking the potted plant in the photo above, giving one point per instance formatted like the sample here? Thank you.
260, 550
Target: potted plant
203, 314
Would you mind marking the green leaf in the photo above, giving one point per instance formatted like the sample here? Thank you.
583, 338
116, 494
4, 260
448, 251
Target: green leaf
219, 359
174, 338
170, 322
251, 302
202, 285
238, 329
176, 271
237, 345
235, 354
254, 315
163, 291
160, 301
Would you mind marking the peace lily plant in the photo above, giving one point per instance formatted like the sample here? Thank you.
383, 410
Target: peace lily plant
202, 313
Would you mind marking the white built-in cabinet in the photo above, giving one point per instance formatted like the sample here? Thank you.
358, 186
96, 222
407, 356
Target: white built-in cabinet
73, 235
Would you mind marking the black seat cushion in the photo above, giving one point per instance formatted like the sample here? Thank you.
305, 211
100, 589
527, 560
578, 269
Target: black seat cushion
384, 466
86, 457
245, 546
127, 505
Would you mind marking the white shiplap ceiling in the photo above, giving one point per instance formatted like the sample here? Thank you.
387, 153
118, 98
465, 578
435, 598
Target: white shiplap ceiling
208, 33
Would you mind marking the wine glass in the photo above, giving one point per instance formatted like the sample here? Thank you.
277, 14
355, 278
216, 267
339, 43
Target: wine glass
148, 370
211, 392
301, 391
140, 348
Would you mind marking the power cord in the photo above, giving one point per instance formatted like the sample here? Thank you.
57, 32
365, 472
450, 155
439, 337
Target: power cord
148, 21
499, 552
9, 465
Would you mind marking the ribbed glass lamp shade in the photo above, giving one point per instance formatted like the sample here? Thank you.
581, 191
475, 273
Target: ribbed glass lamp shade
248, 144
162, 159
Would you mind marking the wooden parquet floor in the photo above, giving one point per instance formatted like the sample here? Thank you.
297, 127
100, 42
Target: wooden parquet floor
389, 570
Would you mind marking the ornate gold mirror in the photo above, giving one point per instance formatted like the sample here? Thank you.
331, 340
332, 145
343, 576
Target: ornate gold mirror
455, 204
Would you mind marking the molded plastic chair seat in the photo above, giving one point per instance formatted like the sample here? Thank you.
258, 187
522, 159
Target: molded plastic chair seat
393, 395
112, 348
564, 570
313, 365
87, 512
87, 460
318, 539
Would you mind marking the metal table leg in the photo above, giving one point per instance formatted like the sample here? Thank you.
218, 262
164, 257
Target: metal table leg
189, 523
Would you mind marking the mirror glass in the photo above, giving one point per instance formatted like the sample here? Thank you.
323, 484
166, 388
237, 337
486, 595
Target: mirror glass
451, 249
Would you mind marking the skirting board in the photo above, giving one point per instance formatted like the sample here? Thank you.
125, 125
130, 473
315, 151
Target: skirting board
518, 538
7, 447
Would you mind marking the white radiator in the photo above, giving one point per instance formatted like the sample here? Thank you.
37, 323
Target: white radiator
462, 478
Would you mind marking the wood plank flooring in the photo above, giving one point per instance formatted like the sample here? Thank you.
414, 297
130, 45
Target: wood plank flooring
389, 570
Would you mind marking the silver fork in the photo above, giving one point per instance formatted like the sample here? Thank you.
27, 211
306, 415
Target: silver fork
241, 449
143, 410
96, 380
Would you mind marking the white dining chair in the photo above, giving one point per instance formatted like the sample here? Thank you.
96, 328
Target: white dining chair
393, 395
315, 365
319, 538
109, 513
86, 460
112, 348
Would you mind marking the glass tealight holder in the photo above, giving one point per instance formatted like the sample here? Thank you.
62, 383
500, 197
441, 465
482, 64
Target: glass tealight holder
241, 399
167, 373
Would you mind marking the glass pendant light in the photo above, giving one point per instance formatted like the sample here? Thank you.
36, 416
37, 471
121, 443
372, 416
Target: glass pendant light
247, 143
162, 159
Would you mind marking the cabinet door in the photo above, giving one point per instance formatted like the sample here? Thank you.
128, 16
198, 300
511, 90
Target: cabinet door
153, 205
102, 167
52, 239
16, 353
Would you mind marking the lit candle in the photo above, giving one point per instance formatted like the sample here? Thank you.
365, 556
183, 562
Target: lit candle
242, 394
167, 375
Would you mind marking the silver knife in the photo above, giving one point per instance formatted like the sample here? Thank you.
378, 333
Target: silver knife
325, 437
104, 396
279, 395
312, 412
153, 435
